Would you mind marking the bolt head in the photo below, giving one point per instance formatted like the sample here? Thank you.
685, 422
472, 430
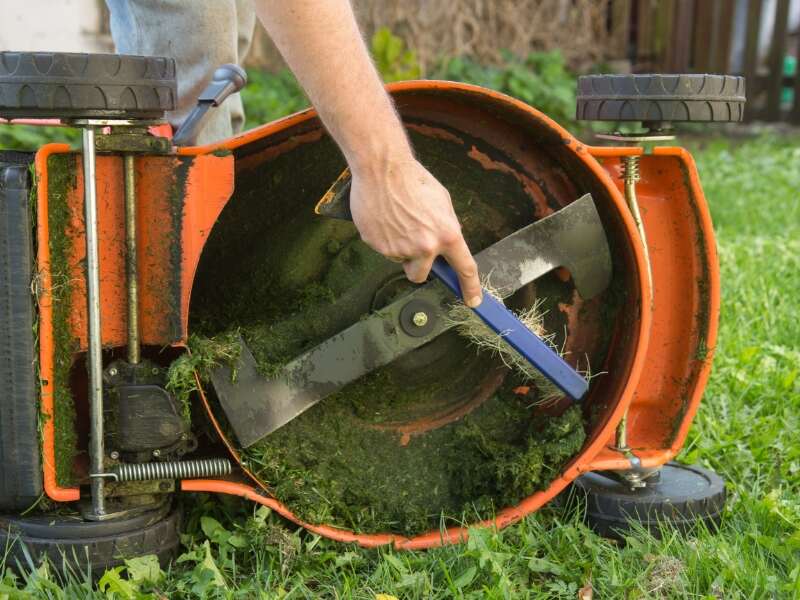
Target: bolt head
114, 455
420, 319
113, 371
156, 453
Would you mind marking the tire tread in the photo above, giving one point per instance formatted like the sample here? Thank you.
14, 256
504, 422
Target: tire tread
93, 543
20, 467
74, 85
658, 97
611, 507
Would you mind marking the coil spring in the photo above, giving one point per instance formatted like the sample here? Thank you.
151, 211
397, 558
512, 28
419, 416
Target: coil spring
185, 469
631, 166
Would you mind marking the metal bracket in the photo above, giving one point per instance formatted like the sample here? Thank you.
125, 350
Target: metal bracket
133, 142
148, 504
636, 138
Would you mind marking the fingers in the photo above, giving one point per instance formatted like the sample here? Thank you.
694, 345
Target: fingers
417, 269
460, 258
406, 214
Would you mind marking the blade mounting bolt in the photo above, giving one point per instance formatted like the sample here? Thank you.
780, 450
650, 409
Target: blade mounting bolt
420, 319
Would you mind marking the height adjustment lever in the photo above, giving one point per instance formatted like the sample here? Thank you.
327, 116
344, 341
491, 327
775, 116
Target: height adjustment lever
227, 79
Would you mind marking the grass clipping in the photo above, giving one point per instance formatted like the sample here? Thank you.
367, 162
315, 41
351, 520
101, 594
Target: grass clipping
335, 464
470, 326
204, 355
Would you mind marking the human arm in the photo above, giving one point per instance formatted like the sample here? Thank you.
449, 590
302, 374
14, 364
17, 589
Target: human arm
399, 208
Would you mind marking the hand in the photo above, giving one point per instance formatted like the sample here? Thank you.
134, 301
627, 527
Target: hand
403, 212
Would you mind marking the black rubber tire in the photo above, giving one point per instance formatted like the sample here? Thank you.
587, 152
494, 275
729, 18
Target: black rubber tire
85, 86
70, 542
682, 497
20, 470
661, 98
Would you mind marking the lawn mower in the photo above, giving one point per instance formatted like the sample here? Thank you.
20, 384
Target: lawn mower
159, 298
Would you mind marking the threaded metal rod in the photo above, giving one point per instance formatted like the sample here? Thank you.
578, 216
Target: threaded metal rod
631, 177
131, 269
94, 355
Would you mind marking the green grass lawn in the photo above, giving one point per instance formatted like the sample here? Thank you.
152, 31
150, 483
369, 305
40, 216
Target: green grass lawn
747, 430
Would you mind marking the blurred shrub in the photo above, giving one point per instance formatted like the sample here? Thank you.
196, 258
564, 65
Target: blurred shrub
269, 96
542, 80
393, 60
30, 137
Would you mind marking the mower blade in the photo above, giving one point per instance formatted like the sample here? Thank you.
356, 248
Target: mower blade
256, 406
572, 237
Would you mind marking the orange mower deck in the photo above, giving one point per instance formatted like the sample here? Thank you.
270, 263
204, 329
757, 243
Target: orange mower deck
660, 352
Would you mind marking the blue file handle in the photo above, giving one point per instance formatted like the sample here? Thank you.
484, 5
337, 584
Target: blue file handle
523, 340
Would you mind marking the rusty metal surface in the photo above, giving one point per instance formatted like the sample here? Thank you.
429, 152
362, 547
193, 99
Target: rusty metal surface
134, 141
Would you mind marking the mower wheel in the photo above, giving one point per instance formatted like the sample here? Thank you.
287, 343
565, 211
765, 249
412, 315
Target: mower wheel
65, 85
70, 542
661, 98
20, 467
680, 496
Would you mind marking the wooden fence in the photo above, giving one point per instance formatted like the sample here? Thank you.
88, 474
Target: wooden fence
722, 36
668, 36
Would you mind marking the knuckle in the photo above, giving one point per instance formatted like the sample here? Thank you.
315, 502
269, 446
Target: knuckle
469, 271
450, 237
427, 246
415, 275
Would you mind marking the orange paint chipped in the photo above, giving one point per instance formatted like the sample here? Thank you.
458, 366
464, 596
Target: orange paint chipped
269, 152
448, 415
563, 274
434, 132
541, 209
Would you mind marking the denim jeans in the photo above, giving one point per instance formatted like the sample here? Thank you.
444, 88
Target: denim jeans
200, 35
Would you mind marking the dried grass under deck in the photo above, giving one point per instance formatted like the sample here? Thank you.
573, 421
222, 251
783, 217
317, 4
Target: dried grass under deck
470, 326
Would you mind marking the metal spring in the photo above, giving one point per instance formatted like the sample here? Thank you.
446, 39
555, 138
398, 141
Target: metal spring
631, 168
185, 469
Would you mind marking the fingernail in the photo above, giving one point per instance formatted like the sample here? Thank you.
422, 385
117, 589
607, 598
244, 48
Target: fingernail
474, 302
